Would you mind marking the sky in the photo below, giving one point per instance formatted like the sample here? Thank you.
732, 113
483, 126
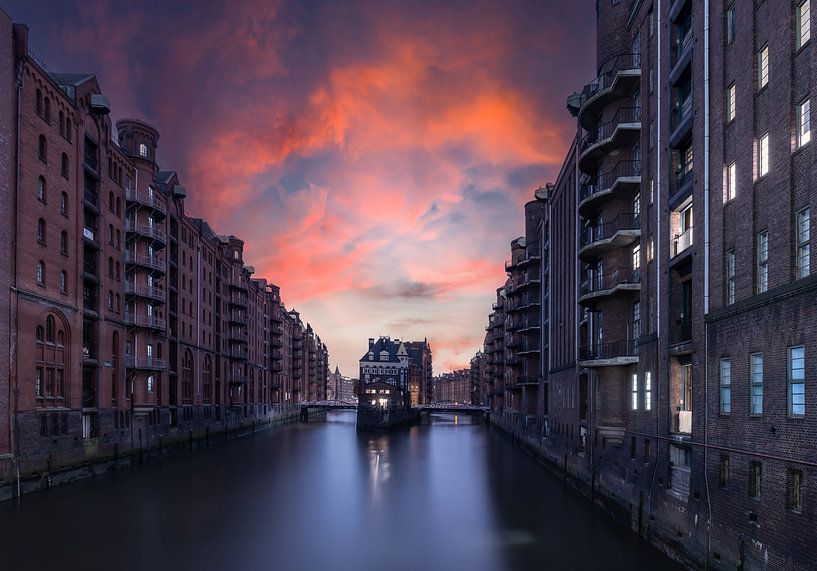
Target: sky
373, 155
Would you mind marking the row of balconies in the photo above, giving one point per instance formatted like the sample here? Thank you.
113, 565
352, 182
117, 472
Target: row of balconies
151, 200
148, 292
145, 321
604, 285
623, 230
150, 231
145, 261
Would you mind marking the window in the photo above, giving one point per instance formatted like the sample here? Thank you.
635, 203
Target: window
41, 189
68, 129
41, 273
804, 123
41, 231
755, 479
762, 261
730, 24
726, 386
763, 67
150, 383
756, 383
634, 392
731, 107
803, 243
62, 123
42, 149
143, 150
797, 381
63, 282
763, 156
64, 165
47, 109
803, 23
648, 391
64, 243
64, 204
723, 472
794, 490
731, 181
39, 103
730, 277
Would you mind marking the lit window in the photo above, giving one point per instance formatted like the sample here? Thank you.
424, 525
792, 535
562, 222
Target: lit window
731, 181
143, 150
41, 273
634, 392
730, 277
803, 243
636, 257
762, 261
730, 24
730, 103
804, 123
756, 383
648, 391
726, 386
763, 156
150, 383
797, 381
803, 23
763, 67
41, 189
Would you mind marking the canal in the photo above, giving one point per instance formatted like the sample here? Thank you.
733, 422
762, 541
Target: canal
449, 495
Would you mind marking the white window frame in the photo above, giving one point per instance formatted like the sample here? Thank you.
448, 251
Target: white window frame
803, 229
731, 181
763, 67
731, 103
804, 123
803, 29
756, 384
634, 392
731, 263
730, 24
796, 373
762, 256
763, 156
725, 399
647, 390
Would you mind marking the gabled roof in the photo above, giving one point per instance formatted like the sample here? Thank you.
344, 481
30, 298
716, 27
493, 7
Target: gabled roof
393, 347
74, 79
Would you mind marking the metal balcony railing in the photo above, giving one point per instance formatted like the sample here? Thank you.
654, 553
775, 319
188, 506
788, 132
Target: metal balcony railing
681, 242
605, 130
148, 321
151, 292
682, 331
151, 200
604, 282
145, 230
610, 350
622, 222
148, 363
606, 180
147, 261
608, 72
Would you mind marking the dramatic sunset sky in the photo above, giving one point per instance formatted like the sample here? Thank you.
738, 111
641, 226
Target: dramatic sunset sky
373, 155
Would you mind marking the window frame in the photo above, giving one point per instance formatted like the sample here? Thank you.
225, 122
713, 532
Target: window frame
731, 270
800, 40
731, 181
763, 156
725, 383
763, 67
803, 240
756, 384
792, 380
762, 262
803, 118
731, 102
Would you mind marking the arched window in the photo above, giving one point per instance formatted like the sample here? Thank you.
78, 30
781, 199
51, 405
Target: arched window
118, 239
117, 303
64, 204
64, 243
42, 149
41, 273
110, 267
143, 150
68, 129
118, 206
110, 202
62, 123
39, 102
110, 300
118, 271
64, 165
47, 110
110, 234
114, 366
41, 231
63, 282
49, 373
41, 189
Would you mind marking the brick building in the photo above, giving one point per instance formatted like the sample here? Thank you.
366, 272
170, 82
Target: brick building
453, 386
420, 371
677, 294
132, 323
478, 378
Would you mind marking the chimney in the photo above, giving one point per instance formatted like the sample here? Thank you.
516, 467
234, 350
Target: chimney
371, 342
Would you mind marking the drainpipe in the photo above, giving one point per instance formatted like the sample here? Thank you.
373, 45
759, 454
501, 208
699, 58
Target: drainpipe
706, 277
658, 251
13, 368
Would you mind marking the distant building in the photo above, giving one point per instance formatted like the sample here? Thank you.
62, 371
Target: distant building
455, 386
420, 371
340, 387
384, 398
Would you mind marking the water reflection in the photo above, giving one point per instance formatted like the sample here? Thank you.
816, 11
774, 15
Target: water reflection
444, 495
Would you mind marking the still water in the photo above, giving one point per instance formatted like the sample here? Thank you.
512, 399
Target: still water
449, 495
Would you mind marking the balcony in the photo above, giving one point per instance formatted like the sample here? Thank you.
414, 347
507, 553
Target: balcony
239, 318
528, 381
145, 321
681, 333
609, 354
681, 122
604, 285
622, 231
145, 363
682, 51
89, 237
151, 262
681, 242
528, 256
623, 179
528, 349
618, 77
237, 379
237, 352
620, 132
148, 199
240, 285
91, 200
147, 292
239, 336
146, 231
510, 265
238, 300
